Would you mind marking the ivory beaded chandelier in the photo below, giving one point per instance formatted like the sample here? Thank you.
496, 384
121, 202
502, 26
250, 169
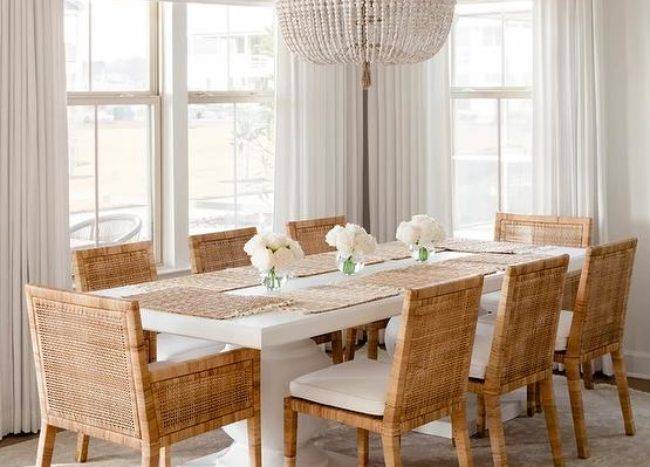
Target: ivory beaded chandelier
365, 31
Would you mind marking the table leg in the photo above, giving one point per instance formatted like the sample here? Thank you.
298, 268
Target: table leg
280, 364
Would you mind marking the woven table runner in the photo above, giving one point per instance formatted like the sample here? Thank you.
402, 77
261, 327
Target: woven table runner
499, 261
322, 298
218, 281
483, 246
207, 303
322, 263
424, 275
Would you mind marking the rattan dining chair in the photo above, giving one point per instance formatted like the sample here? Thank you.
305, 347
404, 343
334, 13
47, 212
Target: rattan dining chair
427, 379
572, 232
597, 327
220, 250
94, 378
519, 350
117, 266
311, 236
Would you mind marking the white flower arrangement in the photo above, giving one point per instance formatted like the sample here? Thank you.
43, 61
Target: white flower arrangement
351, 240
421, 230
272, 252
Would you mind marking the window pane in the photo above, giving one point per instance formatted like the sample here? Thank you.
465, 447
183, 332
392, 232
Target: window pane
76, 19
230, 47
476, 130
120, 45
516, 155
518, 43
230, 166
476, 167
124, 172
81, 150
477, 51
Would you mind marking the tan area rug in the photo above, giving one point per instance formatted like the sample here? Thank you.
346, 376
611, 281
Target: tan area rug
525, 438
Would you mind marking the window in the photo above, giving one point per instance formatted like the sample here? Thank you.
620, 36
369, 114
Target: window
491, 78
113, 114
231, 55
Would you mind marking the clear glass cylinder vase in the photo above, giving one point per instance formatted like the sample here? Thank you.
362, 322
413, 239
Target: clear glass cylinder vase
420, 253
274, 280
349, 264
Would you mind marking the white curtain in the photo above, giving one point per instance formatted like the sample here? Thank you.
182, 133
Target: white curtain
409, 144
319, 165
568, 101
569, 136
318, 155
33, 189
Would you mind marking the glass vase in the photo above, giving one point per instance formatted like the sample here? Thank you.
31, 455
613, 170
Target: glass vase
349, 264
273, 280
419, 253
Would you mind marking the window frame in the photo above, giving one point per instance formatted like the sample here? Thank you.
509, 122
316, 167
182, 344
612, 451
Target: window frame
233, 96
497, 93
150, 97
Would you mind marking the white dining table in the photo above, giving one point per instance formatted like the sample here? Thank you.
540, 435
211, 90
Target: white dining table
287, 352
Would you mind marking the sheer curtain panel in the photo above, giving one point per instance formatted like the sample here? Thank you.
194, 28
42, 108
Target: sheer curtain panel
33, 189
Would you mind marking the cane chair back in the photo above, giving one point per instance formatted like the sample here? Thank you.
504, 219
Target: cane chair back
89, 357
113, 266
526, 323
599, 316
543, 230
311, 233
220, 250
434, 347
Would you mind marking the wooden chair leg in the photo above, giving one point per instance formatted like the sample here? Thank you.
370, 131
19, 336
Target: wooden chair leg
150, 456
81, 451
531, 399
538, 398
550, 413
373, 343
461, 434
254, 440
587, 374
495, 426
574, 381
350, 343
623, 392
480, 416
166, 456
290, 434
362, 447
392, 448
337, 347
45, 445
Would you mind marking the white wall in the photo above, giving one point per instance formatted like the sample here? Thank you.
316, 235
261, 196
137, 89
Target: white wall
627, 119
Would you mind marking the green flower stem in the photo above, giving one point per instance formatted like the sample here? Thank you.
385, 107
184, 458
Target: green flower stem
272, 281
423, 254
349, 266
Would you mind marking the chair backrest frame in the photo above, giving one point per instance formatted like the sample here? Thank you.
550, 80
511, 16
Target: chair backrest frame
220, 250
311, 233
114, 266
543, 230
433, 351
526, 323
81, 343
601, 303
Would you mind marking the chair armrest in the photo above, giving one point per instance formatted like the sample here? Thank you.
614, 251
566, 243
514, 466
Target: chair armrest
160, 371
201, 394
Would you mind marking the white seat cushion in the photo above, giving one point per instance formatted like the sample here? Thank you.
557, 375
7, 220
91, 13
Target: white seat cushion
490, 302
171, 347
358, 385
486, 326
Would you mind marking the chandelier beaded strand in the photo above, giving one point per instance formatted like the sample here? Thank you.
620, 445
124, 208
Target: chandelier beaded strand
363, 32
